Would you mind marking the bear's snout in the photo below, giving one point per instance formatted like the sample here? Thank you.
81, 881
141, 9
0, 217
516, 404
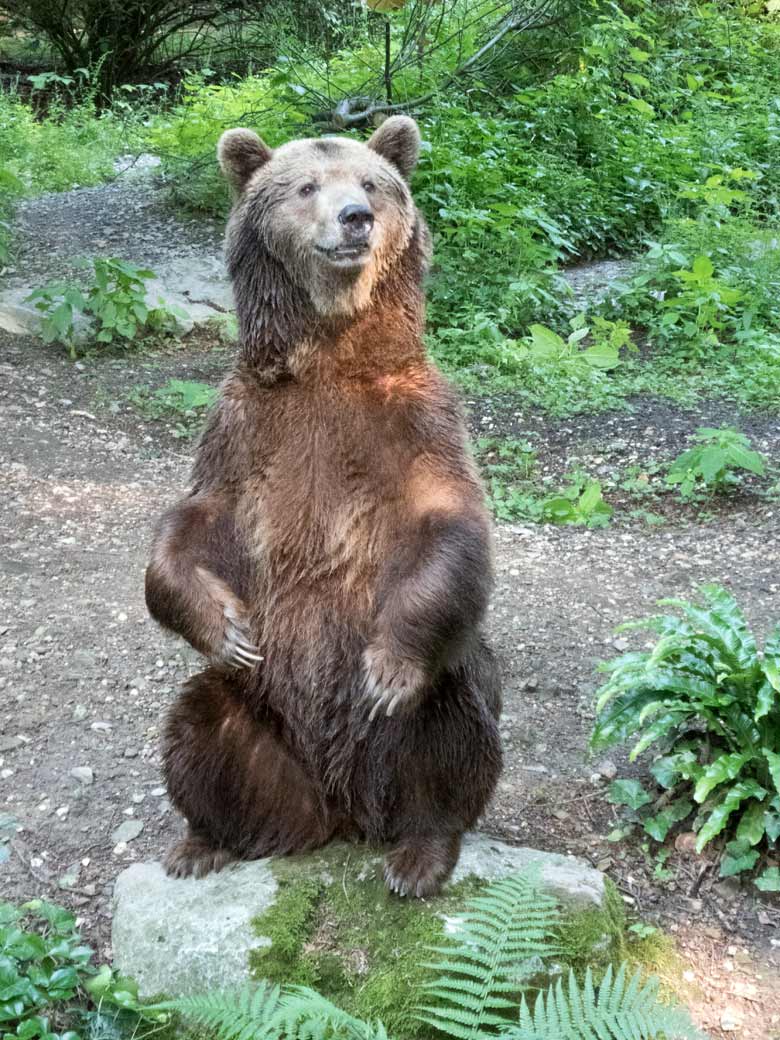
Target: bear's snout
357, 221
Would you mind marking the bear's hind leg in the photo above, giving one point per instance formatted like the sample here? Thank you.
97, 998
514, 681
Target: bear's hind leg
243, 793
446, 761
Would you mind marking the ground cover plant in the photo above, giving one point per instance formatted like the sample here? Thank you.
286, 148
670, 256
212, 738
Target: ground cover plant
50, 989
705, 700
185, 401
714, 462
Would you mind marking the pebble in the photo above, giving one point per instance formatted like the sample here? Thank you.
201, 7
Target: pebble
127, 831
730, 1021
80, 712
607, 769
83, 774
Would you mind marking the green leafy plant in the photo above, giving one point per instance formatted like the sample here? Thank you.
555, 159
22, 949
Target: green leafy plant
186, 401
481, 988
499, 939
708, 700
115, 303
581, 503
702, 304
47, 975
714, 461
545, 345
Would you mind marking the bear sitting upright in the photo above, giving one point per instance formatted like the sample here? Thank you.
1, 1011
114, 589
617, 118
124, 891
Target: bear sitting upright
333, 556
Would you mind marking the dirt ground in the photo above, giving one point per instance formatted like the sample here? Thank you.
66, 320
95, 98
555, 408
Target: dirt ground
86, 677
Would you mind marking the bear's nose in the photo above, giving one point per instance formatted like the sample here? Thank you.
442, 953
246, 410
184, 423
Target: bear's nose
357, 220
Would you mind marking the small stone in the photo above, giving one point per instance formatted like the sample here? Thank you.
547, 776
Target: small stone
730, 1020
131, 753
608, 769
158, 792
83, 774
10, 743
63, 811
101, 727
70, 878
80, 712
127, 831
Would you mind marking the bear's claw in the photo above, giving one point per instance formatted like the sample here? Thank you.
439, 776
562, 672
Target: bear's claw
237, 649
421, 867
392, 683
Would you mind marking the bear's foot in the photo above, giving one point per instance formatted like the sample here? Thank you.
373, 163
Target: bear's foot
195, 857
420, 865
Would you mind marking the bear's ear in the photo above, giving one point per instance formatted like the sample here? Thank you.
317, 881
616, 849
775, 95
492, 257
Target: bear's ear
398, 141
240, 153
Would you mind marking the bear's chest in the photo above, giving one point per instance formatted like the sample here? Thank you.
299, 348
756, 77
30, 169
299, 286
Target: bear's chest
327, 485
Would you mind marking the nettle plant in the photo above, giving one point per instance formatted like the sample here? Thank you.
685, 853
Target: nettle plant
115, 304
714, 462
607, 338
708, 701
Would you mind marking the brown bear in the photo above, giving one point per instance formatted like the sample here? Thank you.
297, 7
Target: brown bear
332, 558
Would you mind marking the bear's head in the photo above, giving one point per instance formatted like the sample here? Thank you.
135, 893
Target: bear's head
331, 216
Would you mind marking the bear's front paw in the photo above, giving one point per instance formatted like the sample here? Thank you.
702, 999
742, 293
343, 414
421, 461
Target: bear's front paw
394, 684
238, 650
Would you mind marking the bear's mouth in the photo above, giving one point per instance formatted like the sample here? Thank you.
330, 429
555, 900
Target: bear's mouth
345, 255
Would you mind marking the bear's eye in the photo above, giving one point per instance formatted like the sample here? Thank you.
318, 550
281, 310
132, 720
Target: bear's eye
307, 189
369, 186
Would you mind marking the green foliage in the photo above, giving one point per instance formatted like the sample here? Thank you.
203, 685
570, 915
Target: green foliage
115, 303
508, 468
46, 975
713, 462
482, 988
622, 1008
581, 503
706, 676
67, 147
185, 401
498, 940
295, 1012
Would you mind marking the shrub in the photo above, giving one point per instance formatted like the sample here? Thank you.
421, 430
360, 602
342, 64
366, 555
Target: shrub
708, 700
713, 462
116, 303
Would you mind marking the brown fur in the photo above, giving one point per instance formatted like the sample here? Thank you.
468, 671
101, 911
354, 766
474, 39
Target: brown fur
335, 528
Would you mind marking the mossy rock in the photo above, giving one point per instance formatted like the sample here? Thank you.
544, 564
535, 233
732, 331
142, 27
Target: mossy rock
335, 927
326, 920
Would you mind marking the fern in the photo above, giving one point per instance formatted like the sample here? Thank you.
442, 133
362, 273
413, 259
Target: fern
501, 937
617, 1011
295, 1013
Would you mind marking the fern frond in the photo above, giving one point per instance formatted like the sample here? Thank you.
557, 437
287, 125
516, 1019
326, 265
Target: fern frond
620, 1010
269, 1013
246, 1013
497, 934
